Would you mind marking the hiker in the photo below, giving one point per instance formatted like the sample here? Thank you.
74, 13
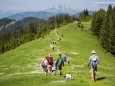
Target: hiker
59, 63
44, 66
52, 47
38, 66
61, 35
93, 61
58, 39
54, 68
50, 63
64, 59
68, 61
54, 42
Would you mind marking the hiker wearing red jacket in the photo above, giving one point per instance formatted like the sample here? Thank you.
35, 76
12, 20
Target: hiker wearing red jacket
50, 63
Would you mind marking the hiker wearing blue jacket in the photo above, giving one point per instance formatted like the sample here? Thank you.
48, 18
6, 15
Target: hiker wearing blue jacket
93, 61
64, 59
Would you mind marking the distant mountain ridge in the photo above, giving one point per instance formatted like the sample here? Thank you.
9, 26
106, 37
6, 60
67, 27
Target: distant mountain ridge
4, 14
45, 13
40, 14
62, 9
24, 23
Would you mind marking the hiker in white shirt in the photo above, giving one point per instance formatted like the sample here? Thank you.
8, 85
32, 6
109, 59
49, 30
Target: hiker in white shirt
68, 60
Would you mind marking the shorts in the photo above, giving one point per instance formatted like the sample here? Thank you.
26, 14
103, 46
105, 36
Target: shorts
45, 68
53, 70
42, 65
93, 69
65, 61
59, 67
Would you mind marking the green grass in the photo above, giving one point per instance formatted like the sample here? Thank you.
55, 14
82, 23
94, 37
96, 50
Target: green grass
17, 67
13, 22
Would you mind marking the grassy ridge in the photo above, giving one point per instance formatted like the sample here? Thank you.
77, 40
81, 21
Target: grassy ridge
17, 67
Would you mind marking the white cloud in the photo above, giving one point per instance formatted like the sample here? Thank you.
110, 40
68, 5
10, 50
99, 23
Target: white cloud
103, 2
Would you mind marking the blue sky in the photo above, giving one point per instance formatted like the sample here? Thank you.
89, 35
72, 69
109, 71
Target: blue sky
37, 5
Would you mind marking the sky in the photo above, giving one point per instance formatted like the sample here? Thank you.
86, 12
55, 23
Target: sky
37, 5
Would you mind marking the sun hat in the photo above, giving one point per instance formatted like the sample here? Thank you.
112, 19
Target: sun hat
93, 52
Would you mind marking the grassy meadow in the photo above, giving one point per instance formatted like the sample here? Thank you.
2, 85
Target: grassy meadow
18, 66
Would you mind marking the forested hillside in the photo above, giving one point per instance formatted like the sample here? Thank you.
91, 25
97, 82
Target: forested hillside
28, 29
103, 26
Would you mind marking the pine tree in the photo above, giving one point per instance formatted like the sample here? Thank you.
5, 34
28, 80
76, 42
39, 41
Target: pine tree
109, 27
111, 38
103, 32
97, 20
107, 32
84, 16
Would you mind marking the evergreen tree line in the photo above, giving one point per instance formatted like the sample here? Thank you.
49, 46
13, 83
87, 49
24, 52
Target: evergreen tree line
85, 16
103, 26
12, 39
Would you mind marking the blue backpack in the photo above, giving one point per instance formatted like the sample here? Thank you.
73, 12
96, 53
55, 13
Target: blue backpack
94, 61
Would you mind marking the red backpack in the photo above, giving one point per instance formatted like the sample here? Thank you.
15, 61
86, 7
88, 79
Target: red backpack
50, 60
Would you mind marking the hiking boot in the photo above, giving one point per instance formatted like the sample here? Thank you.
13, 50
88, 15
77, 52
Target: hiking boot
93, 80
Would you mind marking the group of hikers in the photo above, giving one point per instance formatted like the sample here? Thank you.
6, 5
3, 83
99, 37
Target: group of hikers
55, 42
49, 65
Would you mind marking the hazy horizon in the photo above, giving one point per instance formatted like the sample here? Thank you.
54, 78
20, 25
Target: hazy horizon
11, 7
39, 5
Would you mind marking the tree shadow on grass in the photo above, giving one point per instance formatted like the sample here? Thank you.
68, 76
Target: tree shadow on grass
98, 79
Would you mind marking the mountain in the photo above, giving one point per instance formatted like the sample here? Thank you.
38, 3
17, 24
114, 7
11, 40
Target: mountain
5, 22
4, 14
24, 23
62, 9
40, 14
45, 13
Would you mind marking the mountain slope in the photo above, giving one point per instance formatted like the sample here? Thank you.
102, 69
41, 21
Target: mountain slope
17, 67
24, 23
40, 14
5, 22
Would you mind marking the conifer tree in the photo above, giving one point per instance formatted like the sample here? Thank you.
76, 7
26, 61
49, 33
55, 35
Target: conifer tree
97, 20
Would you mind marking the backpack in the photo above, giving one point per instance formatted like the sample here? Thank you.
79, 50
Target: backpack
94, 61
50, 60
60, 62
